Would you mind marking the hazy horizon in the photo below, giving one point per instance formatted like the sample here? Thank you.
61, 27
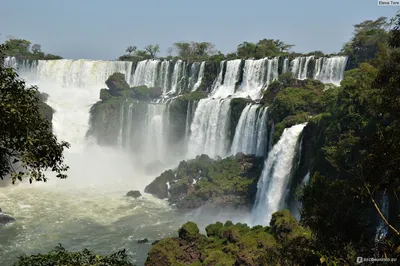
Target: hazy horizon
102, 29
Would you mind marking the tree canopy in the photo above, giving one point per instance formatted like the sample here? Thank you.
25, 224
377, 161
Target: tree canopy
22, 49
369, 38
27, 145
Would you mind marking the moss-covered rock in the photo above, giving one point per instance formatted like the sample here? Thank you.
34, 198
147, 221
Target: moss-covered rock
231, 181
189, 231
159, 187
116, 83
296, 101
235, 244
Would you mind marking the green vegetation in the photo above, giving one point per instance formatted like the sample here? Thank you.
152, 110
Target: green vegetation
370, 38
355, 154
27, 145
295, 101
23, 51
60, 256
237, 244
230, 181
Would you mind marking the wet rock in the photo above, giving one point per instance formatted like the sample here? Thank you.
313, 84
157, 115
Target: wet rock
5, 218
155, 242
142, 241
240, 156
189, 231
159, 187
134, 194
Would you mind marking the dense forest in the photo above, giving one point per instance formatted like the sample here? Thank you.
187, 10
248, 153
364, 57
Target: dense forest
353, 139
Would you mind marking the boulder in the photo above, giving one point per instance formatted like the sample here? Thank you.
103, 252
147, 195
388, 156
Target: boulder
116, 82
155, 92
142, 241
159, 187
134, 193
5, 218
189, 231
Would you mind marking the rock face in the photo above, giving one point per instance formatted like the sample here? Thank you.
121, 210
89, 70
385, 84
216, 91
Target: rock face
134, 194
231, 244
116, 83
228, 182
142, 241
5, 218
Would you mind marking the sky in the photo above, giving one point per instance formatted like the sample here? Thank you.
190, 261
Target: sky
103, 29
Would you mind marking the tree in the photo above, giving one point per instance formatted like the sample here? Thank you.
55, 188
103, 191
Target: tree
264, 48
203, 48
131, 49
36, 48
17, 47
184, 50
152, 50
369, 37
170, 50
27, 145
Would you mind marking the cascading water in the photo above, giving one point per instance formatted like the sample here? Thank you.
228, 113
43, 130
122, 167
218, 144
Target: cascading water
382, 229
178, 77
296, 209
262, 133
229, 81
146, 73
330, 70
88, 209
209, 128
200, 77
244, 139
251, 131
275, 176
285, 65
254, 77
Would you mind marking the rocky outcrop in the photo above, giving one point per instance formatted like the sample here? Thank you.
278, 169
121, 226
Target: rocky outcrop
227, 182
231, 244
134, 194
5, 218
142, 241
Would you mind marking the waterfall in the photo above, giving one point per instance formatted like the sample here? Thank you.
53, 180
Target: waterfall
244, 139
165, 66
220, 77
275, 176
262, 132
178, 76
146, 73
273, 74
299, 67
254, 76
128, 126
381, 229
251, 131
296, 209
285, 65
156, 133
330, 70
209, 129
304, 70
74, 73
193, 74
121, 124
199, 77
230, 79
10, 61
